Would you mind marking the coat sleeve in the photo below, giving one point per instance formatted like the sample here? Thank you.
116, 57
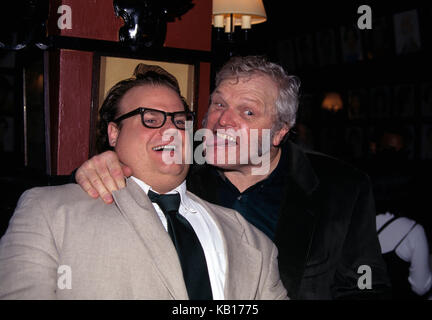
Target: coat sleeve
28, 254
361, 272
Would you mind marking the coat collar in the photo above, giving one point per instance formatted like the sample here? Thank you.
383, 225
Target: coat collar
138, 210
299, 168
298, 217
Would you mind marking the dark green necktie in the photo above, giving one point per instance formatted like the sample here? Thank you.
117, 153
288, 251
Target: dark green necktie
189, 249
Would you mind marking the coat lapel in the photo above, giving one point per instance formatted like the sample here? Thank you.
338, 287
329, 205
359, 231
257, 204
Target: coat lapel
244, 262
140, 213
298, 219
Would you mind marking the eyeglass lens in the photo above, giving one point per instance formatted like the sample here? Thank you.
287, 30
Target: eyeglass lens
156, 119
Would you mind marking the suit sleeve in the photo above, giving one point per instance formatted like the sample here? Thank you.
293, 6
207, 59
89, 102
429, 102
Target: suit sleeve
28, 255
361, 272
273, 287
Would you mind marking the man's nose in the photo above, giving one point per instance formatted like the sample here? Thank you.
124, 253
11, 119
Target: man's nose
227, 118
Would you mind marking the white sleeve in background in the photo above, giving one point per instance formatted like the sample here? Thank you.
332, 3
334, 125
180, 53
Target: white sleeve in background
416, 250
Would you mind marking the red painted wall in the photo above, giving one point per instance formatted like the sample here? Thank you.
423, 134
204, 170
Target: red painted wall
93, 19
70, 80
193, 30
74, 115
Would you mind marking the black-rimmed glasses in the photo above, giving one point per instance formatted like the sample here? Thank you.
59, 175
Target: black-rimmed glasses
152, 118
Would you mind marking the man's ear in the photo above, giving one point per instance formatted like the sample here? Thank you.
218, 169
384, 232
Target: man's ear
279, 136
113, 132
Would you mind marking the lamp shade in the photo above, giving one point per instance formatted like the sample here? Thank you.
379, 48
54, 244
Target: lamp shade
241, 11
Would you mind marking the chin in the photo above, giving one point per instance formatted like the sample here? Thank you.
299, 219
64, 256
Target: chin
228, 156
211, 159
228, 167
173, 169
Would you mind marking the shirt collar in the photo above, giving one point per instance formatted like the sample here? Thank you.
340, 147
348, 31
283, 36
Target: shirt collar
180, 189
276, 177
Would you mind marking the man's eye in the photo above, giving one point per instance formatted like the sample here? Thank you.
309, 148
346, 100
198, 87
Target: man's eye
217, 104
248, 113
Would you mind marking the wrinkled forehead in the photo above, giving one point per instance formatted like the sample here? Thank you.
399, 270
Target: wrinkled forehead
247, 79
259, 86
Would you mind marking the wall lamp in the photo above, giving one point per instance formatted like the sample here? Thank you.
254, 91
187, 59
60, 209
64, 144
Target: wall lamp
227, 14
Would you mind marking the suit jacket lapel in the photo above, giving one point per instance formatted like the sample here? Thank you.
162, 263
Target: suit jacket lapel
243, 261
298, 219
140, 213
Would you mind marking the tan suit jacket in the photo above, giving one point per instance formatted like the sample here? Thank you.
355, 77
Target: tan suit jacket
61, 244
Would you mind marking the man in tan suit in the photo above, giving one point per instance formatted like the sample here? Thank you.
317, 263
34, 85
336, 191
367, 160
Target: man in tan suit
62, 244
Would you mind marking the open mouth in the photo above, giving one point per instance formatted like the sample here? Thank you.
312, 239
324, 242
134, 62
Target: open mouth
164, 148
226, 137
223, 139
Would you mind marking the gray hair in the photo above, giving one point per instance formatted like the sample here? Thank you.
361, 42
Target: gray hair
288, 85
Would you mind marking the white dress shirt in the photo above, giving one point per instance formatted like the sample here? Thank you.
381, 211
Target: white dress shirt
413, 249
207, 232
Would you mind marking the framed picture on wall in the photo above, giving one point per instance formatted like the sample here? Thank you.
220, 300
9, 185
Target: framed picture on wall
410, 142
407, 32
426, 99
426, 147
306, 108
305, 51
7, 59
326, 47
110, 69
351, 43
355, 140
7, 103
286, 54
379, 41
404, 101
358, 103
380, 102
370, 137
